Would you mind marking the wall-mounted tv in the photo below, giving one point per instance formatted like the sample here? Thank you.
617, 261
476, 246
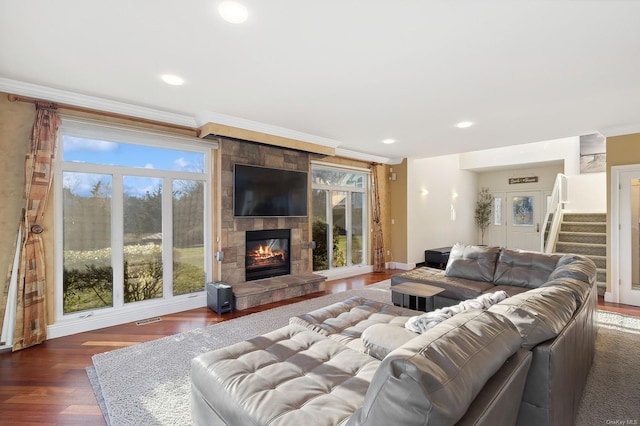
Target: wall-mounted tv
263, 191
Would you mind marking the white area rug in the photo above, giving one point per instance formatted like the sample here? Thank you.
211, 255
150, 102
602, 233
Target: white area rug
148, 383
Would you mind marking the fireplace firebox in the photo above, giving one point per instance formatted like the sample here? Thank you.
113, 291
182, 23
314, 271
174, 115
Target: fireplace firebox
267, 253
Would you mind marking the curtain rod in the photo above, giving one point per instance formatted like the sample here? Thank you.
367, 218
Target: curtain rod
16, 98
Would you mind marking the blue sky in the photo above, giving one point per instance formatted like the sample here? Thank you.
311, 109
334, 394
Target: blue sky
93, 151
111, 153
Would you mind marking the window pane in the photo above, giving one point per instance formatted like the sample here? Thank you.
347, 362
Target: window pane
344, 226
357, 228
188, 236
320, 229
497, 211
522, 208
338, 178
142, 239
95, 151
338, 213
87, 274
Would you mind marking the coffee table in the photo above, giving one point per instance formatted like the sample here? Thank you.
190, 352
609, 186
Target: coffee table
423, 294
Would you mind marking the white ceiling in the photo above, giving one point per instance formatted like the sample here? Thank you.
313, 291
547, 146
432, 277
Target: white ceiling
345, 73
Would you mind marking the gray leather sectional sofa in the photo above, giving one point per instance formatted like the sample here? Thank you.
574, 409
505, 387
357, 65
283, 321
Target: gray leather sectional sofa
525, 360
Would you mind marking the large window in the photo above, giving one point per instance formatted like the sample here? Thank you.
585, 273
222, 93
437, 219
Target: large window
339, 208
132, 209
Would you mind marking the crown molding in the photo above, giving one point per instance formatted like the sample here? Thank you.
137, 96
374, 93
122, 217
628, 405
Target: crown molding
100, 104
369, 158
91, 102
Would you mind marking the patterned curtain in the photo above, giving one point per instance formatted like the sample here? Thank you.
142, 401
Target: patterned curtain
31, 304
378, 246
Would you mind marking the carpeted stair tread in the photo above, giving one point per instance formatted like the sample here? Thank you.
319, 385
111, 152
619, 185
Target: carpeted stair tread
586, 234
600, 261
581, 248
582, 237
594, 227
584, 217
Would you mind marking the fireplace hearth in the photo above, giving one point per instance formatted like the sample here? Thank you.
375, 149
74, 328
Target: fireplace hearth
267, 253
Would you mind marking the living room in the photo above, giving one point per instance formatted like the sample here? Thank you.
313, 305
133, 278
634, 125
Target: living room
431, 176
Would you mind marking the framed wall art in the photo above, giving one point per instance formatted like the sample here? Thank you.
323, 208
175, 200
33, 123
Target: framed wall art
593, 153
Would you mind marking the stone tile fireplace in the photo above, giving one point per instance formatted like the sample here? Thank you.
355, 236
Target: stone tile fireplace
251, 291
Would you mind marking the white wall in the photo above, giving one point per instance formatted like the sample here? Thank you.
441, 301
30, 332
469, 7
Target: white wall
587, 192
499, 180
566, 149
430, 222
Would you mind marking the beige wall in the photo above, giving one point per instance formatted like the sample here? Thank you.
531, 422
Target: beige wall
621, 150
399, 215
16, 120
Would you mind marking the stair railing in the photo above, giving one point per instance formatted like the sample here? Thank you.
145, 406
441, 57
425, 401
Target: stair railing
553, 215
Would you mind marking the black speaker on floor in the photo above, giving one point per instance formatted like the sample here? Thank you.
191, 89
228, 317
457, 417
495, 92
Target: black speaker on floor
220, 297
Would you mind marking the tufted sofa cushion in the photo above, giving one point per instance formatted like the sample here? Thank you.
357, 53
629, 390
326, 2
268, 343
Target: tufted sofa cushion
539, 314
434, 377
285, 377
524, 268
345, 321
475, 263
381, 339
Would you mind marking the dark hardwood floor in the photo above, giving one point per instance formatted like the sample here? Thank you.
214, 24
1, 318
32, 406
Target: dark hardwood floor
47, 384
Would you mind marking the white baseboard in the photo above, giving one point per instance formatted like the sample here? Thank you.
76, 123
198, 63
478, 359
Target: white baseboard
108, 318
339, 273
403, 266
608, 297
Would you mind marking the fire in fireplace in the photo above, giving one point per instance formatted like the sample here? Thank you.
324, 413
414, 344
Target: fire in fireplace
267, 253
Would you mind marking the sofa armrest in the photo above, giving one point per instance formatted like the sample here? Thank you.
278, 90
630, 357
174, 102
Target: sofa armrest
499, 401
559, 370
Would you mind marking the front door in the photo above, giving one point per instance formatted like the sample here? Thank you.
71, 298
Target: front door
523, 217
516, 219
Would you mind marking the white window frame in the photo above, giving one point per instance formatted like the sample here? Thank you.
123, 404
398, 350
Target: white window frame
365, 266
71, 323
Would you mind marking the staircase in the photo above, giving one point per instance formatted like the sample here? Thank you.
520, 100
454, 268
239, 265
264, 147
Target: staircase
586, 234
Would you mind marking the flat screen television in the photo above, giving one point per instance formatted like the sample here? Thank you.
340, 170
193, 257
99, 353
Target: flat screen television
263, 191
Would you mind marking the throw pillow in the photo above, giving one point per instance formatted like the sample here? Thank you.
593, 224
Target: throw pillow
472, 262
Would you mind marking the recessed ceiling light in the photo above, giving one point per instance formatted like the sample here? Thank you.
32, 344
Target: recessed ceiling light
233, 12
464, 124
389, 141
173, 80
